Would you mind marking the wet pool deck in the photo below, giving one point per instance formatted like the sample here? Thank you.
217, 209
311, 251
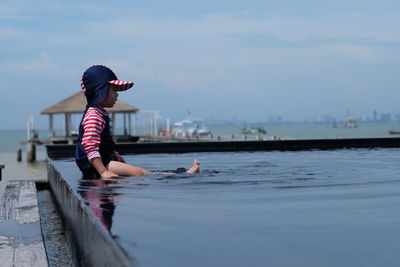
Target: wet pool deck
22, 239
21, 242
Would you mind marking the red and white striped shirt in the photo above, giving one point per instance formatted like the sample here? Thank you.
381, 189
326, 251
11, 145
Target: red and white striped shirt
93, 124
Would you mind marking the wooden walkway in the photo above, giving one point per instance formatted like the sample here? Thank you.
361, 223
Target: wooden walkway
21, 242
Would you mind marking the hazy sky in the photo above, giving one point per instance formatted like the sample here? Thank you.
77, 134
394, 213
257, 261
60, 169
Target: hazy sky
245, 59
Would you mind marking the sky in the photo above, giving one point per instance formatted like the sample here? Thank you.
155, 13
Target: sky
245, 60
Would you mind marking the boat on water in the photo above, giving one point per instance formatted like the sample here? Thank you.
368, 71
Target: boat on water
189, 128
254, 130
393, 132
350, 123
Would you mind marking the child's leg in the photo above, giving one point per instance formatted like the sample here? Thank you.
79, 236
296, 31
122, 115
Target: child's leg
123, 169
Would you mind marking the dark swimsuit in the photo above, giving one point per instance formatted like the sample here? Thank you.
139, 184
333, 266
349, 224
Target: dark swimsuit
106, 150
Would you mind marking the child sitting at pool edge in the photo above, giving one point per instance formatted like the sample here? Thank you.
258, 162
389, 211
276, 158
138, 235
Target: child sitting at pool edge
95, 152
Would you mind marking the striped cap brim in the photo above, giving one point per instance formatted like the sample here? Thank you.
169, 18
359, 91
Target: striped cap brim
121, 85
83, 86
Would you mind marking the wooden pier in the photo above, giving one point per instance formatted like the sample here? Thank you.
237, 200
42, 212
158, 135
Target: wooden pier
21, 242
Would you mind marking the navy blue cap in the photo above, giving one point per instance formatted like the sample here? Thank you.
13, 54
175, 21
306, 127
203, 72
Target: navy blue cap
96, 81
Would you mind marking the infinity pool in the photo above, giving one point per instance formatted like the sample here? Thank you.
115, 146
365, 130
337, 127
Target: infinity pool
309, 208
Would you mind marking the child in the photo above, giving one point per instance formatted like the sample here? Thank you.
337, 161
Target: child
95, 152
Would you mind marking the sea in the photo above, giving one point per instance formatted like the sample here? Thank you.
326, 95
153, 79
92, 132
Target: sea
11, 140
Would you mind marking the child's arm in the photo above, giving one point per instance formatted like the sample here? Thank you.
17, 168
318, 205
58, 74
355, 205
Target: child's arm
101, 169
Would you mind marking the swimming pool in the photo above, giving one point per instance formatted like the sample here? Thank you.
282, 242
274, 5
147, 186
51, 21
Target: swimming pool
306, 208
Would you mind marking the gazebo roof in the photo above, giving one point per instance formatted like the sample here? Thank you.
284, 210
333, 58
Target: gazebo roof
77, 104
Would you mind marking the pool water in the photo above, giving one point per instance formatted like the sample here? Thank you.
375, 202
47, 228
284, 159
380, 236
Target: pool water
309, 208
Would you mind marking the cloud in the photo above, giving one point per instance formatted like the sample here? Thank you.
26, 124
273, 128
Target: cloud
357, 52
211, 53
211, 30
10, 33
19, 9
43, 65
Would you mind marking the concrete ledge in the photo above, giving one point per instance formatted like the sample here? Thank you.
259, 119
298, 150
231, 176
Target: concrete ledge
89, 242
21, 242
58, 151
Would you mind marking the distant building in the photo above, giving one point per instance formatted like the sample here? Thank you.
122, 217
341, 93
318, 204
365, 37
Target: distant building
384, 117
275, 119
375, 116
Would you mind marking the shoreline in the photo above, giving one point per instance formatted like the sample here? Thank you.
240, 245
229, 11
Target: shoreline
22, 171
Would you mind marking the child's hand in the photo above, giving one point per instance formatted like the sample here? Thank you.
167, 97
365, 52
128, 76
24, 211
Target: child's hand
108, 174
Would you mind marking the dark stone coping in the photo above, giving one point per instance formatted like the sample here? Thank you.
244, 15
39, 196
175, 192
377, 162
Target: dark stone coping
90, 244
53, 235
62, 151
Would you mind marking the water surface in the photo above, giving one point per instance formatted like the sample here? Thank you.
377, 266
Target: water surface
309, 208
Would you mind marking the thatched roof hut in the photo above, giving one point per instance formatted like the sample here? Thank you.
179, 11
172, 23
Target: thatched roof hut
76, 104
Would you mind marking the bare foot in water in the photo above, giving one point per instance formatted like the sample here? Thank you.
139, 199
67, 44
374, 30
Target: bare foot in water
195, 168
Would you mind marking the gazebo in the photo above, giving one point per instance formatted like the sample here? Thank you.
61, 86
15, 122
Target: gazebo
76, 104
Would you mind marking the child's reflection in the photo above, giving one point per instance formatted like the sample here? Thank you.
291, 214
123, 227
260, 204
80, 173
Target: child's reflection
99, 196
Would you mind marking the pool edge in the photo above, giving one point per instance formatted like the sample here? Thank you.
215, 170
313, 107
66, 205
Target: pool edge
60, 151
90, 244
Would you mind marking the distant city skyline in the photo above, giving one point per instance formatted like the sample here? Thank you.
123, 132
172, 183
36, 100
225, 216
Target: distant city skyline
161, 121
223, 59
